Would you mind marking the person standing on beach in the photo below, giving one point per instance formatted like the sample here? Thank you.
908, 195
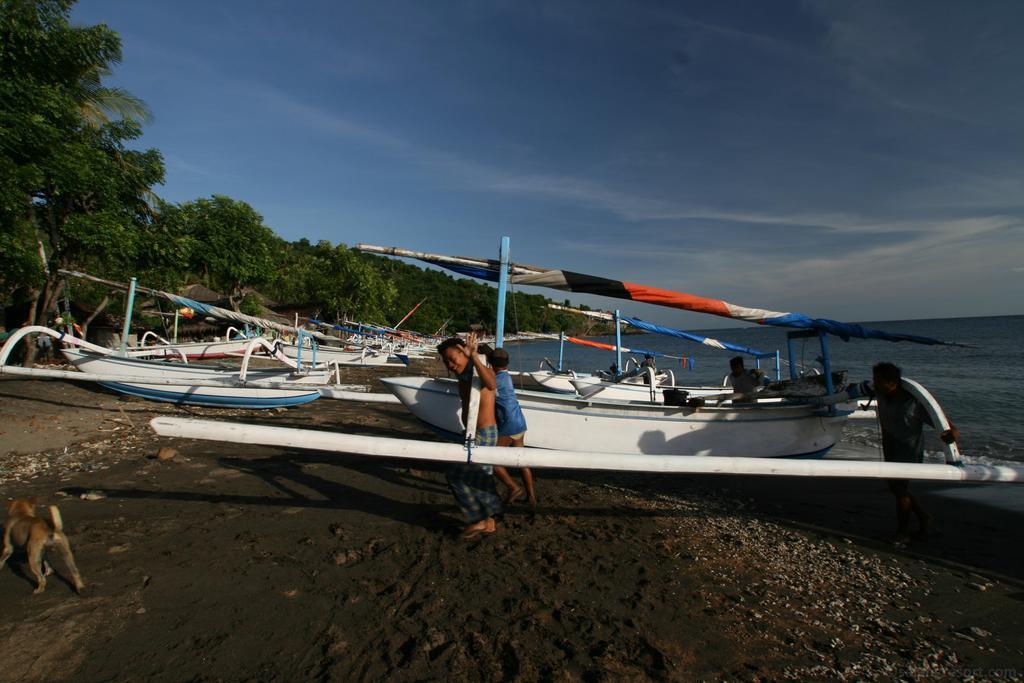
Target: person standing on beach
901, 419
473, 485
511, 429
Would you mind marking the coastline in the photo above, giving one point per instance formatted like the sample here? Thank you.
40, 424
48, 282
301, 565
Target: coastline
230, 563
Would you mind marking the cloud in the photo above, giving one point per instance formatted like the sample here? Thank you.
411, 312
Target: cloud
885, 251
917, 58
179, 165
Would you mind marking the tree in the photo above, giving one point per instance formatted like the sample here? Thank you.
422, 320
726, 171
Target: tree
230, 249
72, 194
341, 283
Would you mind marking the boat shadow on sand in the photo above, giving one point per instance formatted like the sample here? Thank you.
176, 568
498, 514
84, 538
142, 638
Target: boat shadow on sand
301, 479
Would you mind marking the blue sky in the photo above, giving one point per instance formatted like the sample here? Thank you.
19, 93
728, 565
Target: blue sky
859, 161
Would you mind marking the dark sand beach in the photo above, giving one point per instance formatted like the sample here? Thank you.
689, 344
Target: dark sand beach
231, 563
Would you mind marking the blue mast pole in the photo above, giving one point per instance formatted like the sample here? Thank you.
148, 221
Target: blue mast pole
499, 327
561, 348
128, 318
618, 344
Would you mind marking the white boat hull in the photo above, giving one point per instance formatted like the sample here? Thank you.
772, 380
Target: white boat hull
592, 386
259, 391
327, 354
616, 391
192, 350
602, 426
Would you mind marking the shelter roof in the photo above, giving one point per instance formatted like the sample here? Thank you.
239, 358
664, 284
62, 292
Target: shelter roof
201, 293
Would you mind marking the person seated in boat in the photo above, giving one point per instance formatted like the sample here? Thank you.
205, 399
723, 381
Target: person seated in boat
901, 418
473, 485
511, 429
648, 362
745, 383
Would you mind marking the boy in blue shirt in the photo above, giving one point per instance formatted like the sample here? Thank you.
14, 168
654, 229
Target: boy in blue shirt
511, 428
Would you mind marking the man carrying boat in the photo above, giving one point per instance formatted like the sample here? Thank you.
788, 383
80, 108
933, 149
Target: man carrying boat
901, 419
473, 485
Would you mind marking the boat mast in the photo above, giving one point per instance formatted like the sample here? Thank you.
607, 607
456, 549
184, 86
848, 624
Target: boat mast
399, 323
128, 317
503, 260
618, 344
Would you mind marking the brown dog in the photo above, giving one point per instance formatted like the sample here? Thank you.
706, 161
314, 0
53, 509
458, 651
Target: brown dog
36, 535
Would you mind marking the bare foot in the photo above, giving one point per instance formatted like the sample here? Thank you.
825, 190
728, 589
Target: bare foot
514, 495
475, 530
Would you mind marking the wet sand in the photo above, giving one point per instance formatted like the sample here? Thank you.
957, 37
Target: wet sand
231, 563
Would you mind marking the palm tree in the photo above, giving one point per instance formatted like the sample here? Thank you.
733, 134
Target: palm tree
99, 104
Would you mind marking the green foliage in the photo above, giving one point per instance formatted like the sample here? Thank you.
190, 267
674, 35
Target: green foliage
69, 183
458, 303
71, 187
21, 262
250, 305
224, 241
337, 282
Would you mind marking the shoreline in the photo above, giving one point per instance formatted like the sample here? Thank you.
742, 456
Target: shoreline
231, 562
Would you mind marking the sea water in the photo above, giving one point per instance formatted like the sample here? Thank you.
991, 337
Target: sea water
978, 385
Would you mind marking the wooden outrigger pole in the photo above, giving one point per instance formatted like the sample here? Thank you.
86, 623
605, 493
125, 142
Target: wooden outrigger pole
289, 437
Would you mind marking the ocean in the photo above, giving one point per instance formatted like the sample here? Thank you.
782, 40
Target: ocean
977, 386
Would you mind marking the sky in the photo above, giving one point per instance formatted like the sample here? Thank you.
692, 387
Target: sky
856, 161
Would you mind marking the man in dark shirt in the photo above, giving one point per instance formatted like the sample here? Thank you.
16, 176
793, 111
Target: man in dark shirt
647, 363
902, 420
745, 383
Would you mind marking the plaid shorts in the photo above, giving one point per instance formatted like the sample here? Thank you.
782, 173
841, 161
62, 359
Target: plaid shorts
473, 485
488, 436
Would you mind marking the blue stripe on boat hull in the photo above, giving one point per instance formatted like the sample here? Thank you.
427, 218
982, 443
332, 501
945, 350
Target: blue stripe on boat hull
181, 398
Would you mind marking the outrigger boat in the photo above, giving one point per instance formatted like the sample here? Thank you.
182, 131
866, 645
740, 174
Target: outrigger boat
310, 348
632, 384
646, 441
335, 354
179, 383
659, 386
232, 346
787, 426
400, 344
600, 425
